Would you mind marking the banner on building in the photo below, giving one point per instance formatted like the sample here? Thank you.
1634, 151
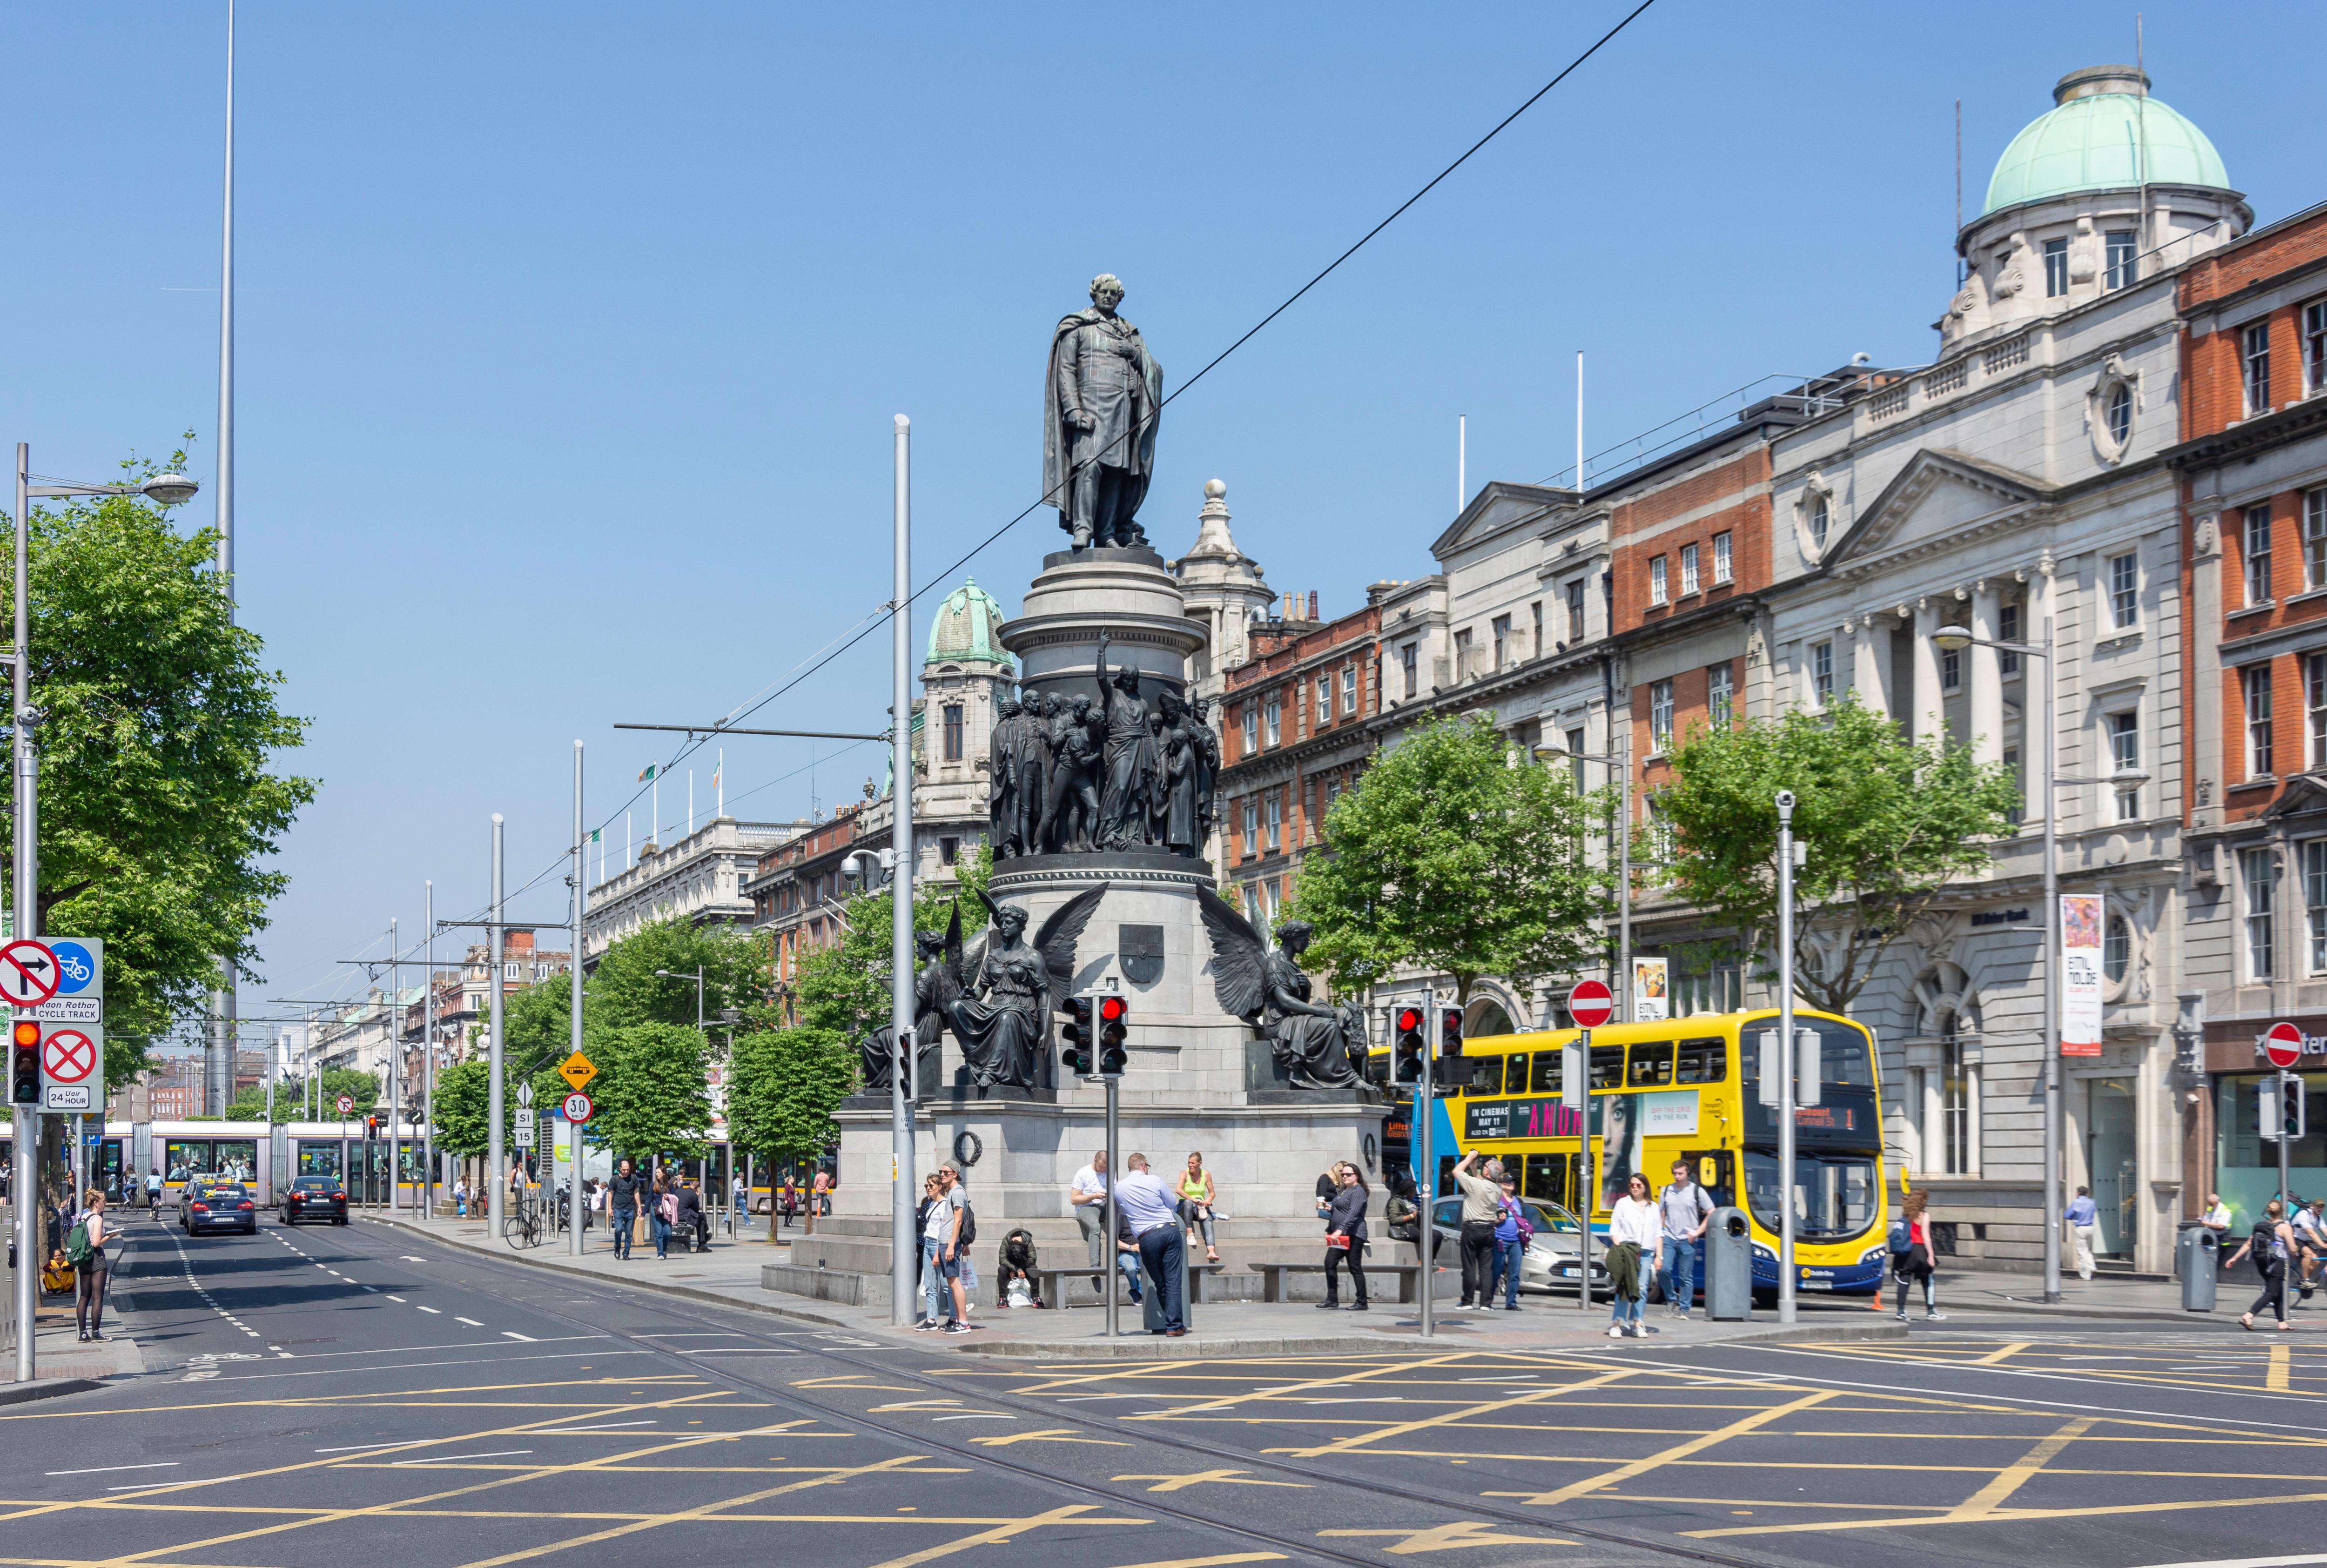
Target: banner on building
1651, 991
2080, 974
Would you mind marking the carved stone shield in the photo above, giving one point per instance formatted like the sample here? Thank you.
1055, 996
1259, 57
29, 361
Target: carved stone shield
1139, 951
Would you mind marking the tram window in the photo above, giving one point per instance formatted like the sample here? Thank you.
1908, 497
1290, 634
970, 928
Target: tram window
1702, 1061
1607, 1066
319, 1160
1544, 1078
1652, 1063
188, 1158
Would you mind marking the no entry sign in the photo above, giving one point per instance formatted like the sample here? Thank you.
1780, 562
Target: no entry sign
2284, 1045
1590, 1004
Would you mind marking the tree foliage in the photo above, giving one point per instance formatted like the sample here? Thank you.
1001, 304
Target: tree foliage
787, 1085
464, 1102
651, 1090
844, 988
1886, 823
624, 989
1449, 856
160, 801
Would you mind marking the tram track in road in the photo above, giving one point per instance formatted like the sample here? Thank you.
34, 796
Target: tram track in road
1105, 1429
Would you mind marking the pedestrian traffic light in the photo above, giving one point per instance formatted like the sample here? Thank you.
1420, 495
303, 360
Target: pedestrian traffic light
1450, 1034
1405, 1053
1080, 1033
1113, 1034
2282, 1107
24, 1063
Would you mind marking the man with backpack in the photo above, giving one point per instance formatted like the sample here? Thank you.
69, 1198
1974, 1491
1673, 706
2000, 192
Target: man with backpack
1685, 1211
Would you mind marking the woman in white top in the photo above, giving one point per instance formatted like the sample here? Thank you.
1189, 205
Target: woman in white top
1632, 1223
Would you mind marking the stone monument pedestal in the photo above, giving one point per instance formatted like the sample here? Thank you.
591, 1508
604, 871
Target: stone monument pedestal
1197, 1079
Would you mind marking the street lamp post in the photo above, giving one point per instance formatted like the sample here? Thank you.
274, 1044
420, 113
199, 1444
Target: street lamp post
697, 978
1954, 639
166, 490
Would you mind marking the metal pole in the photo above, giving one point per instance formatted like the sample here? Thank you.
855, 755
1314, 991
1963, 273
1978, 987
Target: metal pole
2285, 1140
1786, 1056
1588, 1198
2051, 1189
395, 1074
428, 1051
219, 1070
26, 1123
1426, 1169
577, 1214
1114, 1175
905, 1246
496, 1155
1624, 872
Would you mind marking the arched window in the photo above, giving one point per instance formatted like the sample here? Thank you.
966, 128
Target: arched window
2120, 414
2117, 950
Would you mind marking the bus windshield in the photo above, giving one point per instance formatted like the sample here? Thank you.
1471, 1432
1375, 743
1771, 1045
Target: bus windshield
1834, 1193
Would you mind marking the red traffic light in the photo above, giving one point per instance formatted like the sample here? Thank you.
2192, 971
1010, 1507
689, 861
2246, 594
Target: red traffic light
1111, 1009
1409, 1018
27, 1032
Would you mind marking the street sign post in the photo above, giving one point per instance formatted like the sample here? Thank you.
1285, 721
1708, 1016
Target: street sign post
1590, 1004
525, 1093
28, 972
525, 1130
577, 1071
578, 1107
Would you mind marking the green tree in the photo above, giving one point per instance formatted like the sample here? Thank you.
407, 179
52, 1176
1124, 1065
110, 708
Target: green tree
1885, 824
161, 795
785, 1086
844, 988
1450, 855
651, 1091
624, 989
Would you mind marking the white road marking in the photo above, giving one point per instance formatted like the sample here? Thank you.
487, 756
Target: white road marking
102, 1469
456, 1458
435, 1314
513, 1334
607, 1426
471, 1321
395, 1298
2250, 1562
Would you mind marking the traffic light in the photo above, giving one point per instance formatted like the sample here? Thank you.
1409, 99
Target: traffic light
1114, 1031
900, 1055
1406, 1052
1450, 1034
1080, 1034
24, 1063
371, 1129
2282, 1108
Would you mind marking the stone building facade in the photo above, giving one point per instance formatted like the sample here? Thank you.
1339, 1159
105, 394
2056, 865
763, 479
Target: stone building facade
699, 879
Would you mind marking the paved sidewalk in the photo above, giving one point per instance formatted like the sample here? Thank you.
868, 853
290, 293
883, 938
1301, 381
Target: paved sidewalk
729, 1275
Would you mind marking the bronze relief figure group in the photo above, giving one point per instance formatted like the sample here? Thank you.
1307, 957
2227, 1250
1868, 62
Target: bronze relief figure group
1078, 774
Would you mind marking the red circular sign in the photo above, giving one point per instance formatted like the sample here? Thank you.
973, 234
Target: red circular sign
68, 1056
1590, 1004
2284, 1045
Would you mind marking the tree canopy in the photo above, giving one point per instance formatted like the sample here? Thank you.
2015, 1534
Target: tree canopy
362, 1088
160, 795
786, 1086
1451, 854
624, 989
844, 988
1885, 823
651, 1090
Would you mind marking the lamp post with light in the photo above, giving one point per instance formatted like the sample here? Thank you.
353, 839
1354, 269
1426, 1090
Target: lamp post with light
1955, 639
167, 490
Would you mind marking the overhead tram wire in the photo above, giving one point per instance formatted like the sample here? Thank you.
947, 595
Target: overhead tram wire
881, 615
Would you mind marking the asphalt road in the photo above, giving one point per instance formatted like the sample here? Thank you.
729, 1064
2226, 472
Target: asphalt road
320, 1392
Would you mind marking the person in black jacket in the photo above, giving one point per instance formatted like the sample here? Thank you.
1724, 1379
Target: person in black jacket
693, 1231
1345, 1237
629, 1190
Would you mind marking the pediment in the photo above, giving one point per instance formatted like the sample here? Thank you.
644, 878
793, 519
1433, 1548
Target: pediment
2303, 795
1494, 510
1939, 499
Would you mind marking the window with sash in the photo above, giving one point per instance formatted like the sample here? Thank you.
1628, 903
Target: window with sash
2259, 870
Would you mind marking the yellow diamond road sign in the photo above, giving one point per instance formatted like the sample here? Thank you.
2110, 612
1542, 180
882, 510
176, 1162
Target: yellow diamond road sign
577, 1070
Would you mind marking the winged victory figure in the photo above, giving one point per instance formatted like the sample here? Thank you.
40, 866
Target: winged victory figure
1004, 1018
936, 988
1316, 1046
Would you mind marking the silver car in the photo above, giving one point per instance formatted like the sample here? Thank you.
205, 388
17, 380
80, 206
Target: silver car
1550, 1264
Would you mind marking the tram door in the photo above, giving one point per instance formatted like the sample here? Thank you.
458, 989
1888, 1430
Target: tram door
105, 1167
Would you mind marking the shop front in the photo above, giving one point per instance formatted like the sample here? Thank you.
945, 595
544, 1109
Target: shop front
2245, 1163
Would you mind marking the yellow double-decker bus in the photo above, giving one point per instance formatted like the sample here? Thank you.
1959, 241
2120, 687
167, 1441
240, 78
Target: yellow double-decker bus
1684, 1088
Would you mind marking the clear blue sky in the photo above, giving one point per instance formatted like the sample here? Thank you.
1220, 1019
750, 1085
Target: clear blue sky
571, 334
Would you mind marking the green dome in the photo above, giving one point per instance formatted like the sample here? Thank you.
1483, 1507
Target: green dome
2092, 140
964, 627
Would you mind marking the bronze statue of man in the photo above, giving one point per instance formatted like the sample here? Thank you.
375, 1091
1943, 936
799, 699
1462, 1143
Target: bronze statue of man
1100, 403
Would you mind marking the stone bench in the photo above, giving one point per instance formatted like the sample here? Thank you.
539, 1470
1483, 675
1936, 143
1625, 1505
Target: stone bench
1273, 1276
1052, 1284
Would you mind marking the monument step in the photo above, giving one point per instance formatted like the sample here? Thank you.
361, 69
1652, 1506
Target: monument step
841, 1287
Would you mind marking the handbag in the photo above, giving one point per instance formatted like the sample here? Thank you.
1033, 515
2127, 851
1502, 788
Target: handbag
1338, 1240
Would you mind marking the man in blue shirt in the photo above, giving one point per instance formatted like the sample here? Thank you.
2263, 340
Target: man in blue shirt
1152, 1214
2085, 1220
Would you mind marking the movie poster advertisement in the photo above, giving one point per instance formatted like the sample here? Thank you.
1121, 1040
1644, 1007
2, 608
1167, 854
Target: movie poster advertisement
2081, 974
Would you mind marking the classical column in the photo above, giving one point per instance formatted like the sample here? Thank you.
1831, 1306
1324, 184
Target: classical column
1870, 661
1924, 711
1987, 676
1935, 1127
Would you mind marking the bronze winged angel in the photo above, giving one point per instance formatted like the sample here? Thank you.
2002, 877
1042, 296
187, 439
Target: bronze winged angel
1004, 1019
936, 988
1317, 1047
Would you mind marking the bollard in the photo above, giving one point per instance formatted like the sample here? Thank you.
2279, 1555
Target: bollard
1728, 1267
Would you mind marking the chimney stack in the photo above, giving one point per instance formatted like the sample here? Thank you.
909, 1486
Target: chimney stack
1312, 605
